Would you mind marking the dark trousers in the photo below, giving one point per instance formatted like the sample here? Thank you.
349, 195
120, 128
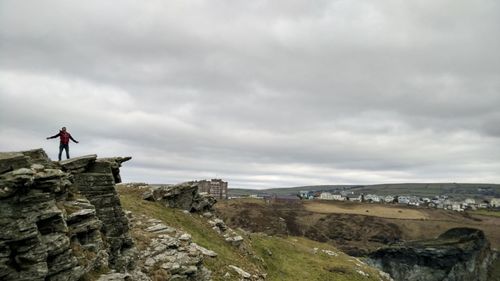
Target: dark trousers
61, 147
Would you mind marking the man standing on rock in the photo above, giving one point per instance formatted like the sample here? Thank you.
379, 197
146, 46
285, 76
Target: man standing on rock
64, 144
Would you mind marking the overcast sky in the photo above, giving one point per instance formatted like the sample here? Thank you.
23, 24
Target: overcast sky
259, 93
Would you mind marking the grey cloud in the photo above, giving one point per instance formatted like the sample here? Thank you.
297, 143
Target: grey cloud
350, 92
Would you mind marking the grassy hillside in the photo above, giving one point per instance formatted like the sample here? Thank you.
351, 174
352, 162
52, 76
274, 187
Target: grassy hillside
282, 258
486, 212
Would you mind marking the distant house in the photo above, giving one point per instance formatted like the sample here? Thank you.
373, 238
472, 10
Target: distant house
371, 198
389, 199
306, 194
326, 196
338, 197
482, 205
495, 202
456, 206
469, 203
354, 197
403, 200
414, 202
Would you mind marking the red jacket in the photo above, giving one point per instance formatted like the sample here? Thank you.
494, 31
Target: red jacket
64, 136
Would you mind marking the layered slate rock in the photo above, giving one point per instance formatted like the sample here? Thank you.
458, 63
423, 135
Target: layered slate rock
36, 242
78, 164
183, 196
10, 161
459, 254
55, 216
96, 179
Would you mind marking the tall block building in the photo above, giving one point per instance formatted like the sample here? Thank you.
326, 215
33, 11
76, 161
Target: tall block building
215, 187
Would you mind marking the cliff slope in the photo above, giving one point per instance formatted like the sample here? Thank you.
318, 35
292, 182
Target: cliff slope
459, 254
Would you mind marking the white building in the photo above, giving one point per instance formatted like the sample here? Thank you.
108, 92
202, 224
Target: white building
456, 206
482, 205
338, 197
389, 199
371, 198
414, 202
326, 196
495, 202
403, 199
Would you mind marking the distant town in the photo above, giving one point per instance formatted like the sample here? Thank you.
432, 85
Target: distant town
439, 201
219, 189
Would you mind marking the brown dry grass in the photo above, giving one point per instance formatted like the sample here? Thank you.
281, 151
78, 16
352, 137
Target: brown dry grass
374, 210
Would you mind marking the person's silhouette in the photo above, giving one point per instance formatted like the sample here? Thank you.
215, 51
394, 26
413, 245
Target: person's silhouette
64, 144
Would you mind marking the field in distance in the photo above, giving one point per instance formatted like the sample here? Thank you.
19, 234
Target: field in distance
353, 226
383, 211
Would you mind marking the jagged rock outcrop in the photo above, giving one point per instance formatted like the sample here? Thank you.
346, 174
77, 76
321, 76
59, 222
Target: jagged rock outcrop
42, 235
186, 196
183, 196
459, 254
95, 179
54, 216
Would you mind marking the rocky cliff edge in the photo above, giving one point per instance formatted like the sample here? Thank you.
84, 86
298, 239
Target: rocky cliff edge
61, 220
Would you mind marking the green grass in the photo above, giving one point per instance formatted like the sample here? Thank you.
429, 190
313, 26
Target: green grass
292, 258
485, 212
200, 231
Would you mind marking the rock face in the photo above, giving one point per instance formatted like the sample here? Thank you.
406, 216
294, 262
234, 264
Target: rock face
459, 254
95, 179
183, 196
54, 216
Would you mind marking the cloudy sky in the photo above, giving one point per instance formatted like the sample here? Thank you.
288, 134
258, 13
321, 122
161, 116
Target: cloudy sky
259, 93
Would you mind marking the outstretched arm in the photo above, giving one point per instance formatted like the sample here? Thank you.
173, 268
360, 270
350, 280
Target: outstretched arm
54, 136
73, 139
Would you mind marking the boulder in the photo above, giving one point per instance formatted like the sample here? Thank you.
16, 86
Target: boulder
182, 196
